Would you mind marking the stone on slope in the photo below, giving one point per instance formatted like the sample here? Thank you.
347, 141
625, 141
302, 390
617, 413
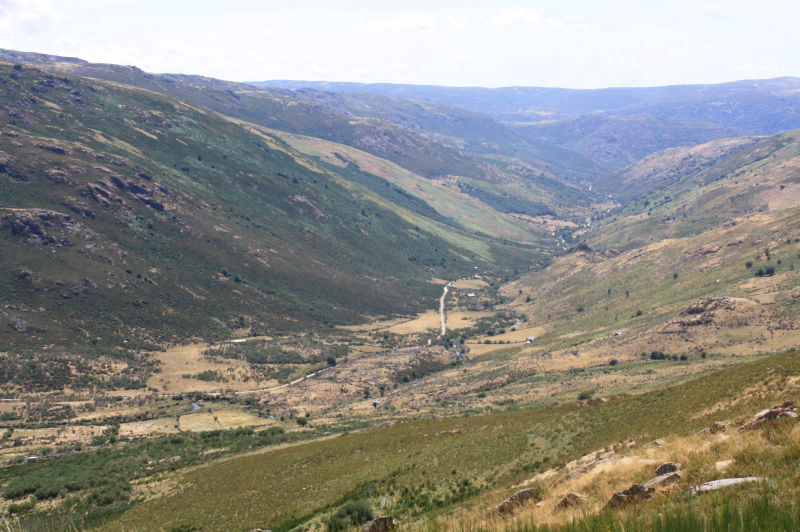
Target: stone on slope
667, 467
636, 493
384, 523
724, 483
518, 499
570, 500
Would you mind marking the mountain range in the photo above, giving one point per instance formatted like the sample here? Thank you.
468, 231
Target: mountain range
441, 305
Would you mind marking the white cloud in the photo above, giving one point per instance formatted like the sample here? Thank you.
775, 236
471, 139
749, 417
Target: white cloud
520, 16
403, 21
25, 15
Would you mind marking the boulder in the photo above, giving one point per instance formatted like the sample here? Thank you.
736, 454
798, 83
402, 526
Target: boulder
518, 499
717, 427
384, 523
570, 500
667, 467
664, 480
19, 325
636, 493
723, 483
655, 443
783, 410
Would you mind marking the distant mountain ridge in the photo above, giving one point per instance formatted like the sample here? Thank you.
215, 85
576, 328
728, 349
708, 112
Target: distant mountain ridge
614, 126
526, 102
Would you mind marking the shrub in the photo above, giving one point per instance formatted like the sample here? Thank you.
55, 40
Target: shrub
350, 515
585, 396
613, 362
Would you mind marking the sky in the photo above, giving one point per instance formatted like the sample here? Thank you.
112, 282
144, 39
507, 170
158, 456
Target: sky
563, 43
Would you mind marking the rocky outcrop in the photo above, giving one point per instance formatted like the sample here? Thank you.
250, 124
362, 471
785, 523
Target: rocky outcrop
709, 311
718, 427
667, 467
570, 500
19, 325
384, 523
77, 207
635, 494
520, 498
784, 410
664, 480
43, 226
723, 483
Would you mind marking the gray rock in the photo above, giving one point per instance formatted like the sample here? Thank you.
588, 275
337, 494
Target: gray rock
723, 483
384, 523
717, 427
783, 410
636, 493
664, 480
570, 500
518, 499
667, 467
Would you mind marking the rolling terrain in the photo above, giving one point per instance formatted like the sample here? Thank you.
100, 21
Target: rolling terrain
120, 198
616, 126
225, 306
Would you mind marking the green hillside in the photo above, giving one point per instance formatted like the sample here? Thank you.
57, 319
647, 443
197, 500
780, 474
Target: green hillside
135, 215
432, 142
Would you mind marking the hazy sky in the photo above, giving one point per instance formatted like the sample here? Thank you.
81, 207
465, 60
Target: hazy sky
572, 43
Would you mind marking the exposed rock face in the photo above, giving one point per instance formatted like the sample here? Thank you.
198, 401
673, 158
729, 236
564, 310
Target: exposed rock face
38, 225
384, 523
19, 325
636, 493
518, 499
667, 467
708, 311
722, 483
570, 500
77, 206
787, 409
717, 427
664, 480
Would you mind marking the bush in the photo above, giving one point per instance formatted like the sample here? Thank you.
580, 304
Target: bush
613, 362
584, 396
350, 515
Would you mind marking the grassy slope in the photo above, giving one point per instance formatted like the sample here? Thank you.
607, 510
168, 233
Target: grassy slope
216, 195
467, 211
617, 141
759, 177
384, 130
662, 169
416, 463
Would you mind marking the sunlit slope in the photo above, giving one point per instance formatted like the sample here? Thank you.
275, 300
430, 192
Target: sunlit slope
443, 195
160, 219
754, 177
422, 470
430, 140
